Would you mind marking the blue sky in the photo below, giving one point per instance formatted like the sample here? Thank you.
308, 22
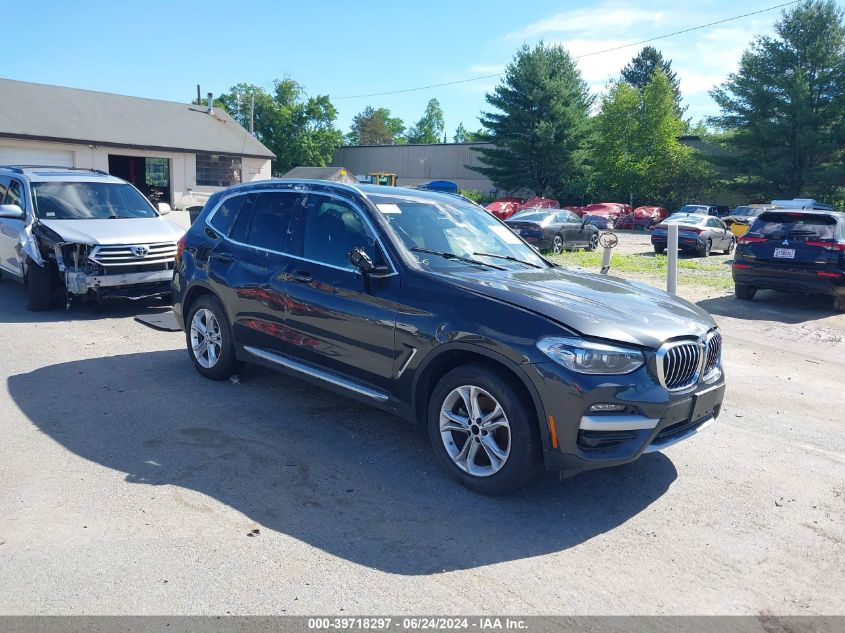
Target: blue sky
161, 49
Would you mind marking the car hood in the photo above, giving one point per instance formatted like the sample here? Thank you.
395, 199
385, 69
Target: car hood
117, 231
594, 305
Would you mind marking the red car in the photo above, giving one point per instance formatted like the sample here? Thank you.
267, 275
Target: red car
642, 218
502, 209
539, 203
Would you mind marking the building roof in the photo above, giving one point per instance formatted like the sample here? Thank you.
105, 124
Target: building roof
336, 174
53, 113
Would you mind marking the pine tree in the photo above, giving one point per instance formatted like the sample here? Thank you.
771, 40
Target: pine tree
639, 71
539, 124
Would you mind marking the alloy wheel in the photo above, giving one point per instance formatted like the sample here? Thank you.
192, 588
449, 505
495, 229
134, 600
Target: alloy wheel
475, 431
557, 245
206, 338
594, 242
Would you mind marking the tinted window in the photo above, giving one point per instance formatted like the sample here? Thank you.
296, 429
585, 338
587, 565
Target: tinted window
568, 216
224, 217
795, 226
241, 227
273, 225
14, 195
332, 229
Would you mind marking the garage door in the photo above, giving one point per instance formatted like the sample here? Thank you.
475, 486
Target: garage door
33, 156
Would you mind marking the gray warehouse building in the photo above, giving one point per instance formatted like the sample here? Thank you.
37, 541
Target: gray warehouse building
416, 164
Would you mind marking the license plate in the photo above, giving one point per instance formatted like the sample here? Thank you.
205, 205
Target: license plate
785, 253
704, 403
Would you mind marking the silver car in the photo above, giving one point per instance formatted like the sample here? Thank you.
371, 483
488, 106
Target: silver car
82, 233
696, 232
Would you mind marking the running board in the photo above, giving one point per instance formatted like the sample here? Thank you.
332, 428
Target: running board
302, 368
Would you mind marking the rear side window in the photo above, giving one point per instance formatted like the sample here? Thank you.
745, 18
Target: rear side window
274, 222
4, 185
799, 227
225, 216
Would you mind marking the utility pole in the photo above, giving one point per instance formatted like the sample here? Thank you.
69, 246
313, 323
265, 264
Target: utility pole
252, 114
199, 95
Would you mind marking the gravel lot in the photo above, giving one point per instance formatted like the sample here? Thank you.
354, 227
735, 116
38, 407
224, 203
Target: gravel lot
130, 485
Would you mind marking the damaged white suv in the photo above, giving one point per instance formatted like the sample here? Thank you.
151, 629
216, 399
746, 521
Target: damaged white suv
82, 233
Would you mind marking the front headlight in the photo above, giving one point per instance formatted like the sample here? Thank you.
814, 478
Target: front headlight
587, 357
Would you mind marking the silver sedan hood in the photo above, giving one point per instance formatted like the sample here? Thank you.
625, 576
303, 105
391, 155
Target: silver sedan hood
116, 231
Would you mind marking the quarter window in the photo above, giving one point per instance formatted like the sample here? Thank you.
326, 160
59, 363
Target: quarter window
224, 217
218, 170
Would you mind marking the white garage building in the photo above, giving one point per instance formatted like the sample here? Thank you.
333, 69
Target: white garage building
173, 152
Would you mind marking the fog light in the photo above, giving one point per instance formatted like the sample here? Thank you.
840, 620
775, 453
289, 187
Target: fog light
606, 406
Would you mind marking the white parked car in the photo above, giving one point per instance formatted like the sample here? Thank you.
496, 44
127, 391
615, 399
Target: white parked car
82, 233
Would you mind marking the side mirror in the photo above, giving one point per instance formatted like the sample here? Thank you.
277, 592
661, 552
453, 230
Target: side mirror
361, 261
11, 212
359, 258
163, 208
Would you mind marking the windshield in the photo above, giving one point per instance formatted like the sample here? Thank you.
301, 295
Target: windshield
89, 201
743, 212
691, 208
456, 228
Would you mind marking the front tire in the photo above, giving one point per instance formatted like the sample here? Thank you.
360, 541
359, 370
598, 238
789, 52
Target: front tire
483, 432
744, 292
557, 245
39, 286
594, 242
209, 339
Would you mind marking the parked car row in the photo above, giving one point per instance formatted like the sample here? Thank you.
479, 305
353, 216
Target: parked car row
696, 233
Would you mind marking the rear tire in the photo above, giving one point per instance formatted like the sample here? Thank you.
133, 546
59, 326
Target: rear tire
839, 303
659, 250
705, 250
494, 453
731, 246
744, 292
39, 286
209, 339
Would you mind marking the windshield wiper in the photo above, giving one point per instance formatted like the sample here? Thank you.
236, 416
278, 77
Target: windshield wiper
446, 255
510, 258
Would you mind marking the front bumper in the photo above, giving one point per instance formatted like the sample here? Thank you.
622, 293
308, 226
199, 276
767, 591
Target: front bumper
653, 418
146, 283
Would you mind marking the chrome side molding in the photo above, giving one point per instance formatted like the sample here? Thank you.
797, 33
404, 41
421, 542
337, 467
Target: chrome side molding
302, 368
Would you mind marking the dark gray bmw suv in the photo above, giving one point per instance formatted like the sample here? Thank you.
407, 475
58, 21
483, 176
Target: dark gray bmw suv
427, 306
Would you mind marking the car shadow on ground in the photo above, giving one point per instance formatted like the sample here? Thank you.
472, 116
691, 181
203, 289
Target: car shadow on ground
13, 307
294, 458
771, 305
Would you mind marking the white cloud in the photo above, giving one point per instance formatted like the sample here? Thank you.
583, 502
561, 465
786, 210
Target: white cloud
606, 17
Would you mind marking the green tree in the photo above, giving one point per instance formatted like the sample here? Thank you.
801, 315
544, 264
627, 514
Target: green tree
462, 135
640, 69
376, 127
431, 127
539, 125
783, 112
637, 156
298, 129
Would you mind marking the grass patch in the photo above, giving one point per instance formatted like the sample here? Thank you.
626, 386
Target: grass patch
711, 272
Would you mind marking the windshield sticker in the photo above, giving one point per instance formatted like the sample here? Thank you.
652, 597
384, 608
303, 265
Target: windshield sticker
505, 233
389, 208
